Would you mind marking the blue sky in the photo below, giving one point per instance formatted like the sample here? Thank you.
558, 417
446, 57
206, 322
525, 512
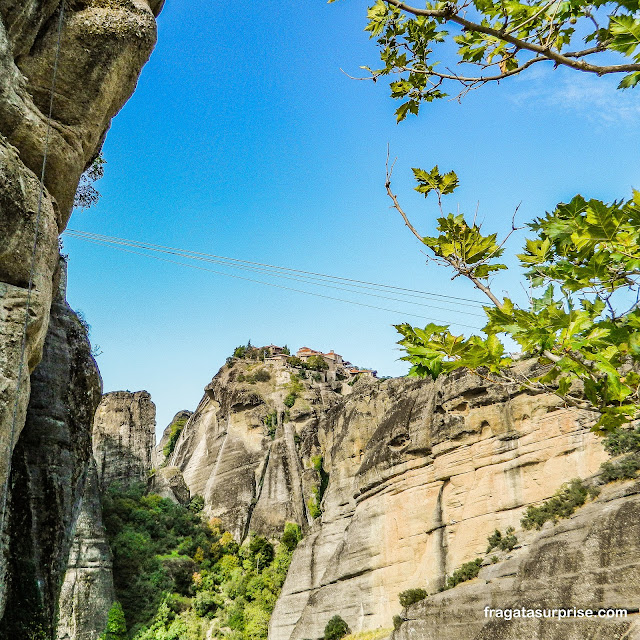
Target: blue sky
245, 139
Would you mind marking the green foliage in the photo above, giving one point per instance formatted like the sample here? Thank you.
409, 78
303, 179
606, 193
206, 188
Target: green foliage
411, 596
197, 504
505, 543
314, 502
397, 622
561, 505
174, 433
585, 263
271, 423
116, 624
294, 361
468, 571
624, 469
290, 400
336, 628
174, 573
291, 536
86, 194
623, 441
261, 375
316, 363
418, 48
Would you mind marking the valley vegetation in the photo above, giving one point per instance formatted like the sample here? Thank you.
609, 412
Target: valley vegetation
178, 576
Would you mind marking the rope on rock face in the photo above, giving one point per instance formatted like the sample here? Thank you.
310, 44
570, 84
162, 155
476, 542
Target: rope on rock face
23, 346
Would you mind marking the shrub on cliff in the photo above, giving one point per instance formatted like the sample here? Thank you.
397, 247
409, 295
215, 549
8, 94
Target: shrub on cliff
468, 571
411, 596
624, 469
174, 433
623, 441
565, 501
336, 628
505, 543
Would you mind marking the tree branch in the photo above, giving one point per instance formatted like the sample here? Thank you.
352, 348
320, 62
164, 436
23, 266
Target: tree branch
569, 59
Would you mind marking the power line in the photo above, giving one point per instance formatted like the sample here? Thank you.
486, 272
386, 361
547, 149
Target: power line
189, 253
296, 278
278, 286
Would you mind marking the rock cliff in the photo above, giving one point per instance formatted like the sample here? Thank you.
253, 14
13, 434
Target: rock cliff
419, 474
589, 561
87, 592
103, 46
239, 449
124, 437
49, 471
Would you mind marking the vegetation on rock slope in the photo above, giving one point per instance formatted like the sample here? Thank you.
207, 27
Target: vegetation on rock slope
177, 576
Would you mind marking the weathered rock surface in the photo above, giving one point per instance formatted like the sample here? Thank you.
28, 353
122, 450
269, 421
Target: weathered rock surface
124, 437
421, 474
589, 561
168, 482
102, 49
87, 592
49, 473
250, 473
159, 457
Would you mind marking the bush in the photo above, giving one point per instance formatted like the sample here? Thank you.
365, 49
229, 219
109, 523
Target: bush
468, 571
197, 504
397, 622
316, 363
411, 596
271, 423
505, 543
336, 628
205, 604
291, 536
290, 400
623, 441
294, 361
624, 469
316, 377
566, 500
262, 375
174, 433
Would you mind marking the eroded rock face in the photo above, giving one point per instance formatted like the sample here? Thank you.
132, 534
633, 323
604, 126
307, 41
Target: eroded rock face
421, 474
124, 436
87, 592
240, 449
589, 561
104, 45
49, 473
169, 483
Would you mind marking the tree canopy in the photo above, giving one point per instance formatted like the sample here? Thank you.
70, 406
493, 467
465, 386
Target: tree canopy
463, 44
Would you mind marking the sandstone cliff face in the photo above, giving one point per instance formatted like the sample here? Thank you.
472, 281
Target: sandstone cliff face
103, 47
124, 437
239, 450
49, 471
421, 474
591, 560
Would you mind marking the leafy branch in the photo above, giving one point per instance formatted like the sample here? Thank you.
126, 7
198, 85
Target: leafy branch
584, 261
501, 39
